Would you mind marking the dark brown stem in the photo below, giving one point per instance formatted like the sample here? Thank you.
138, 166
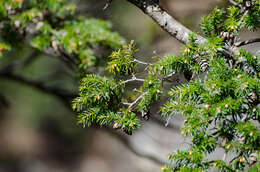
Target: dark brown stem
125, 141
250, 41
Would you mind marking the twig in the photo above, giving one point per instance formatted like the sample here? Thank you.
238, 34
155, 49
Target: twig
141, 62
130, 105
162, 123
235, 158
68, 59
127, 104
243, 17
235, 3
137, 100
131, 80
224, 156
250, 41
169, 76
136, 90
125, 141
108, 3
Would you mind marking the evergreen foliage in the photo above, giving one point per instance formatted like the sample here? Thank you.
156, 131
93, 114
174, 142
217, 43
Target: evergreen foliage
53, 26
122, 61
220, 101
99, 103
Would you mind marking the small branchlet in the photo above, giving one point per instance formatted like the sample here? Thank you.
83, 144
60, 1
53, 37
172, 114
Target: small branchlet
108, 3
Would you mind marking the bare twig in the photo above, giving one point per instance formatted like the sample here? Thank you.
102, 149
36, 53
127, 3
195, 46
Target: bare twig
168, 76
250, 41
126, 104
137, 100
131, 105
163, 123
235, 3
132, 79
141, 62
125, 141
136, 90
243, 17
108, 3
224, 156
236, 157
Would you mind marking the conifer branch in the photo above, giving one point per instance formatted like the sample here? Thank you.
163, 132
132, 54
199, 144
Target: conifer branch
235, 3
167, 22
174, 28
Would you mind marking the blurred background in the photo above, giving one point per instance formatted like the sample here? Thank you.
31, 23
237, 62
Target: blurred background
39, 132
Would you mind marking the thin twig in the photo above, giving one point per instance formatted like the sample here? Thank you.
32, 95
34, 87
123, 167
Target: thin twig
162, 123
243, 17
169, 76
224, 156
136, 90
137, 100
235, 3
108, 3
130, 80
250, 41
141, 62
125, 141
235, 158
127, 104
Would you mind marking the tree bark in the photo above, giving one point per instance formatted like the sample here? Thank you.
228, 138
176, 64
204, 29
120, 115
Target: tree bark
172, 26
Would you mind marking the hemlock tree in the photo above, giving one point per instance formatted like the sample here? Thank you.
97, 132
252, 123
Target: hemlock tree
220, 102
